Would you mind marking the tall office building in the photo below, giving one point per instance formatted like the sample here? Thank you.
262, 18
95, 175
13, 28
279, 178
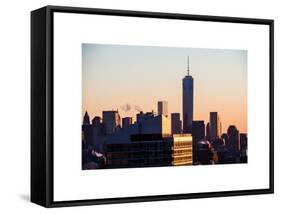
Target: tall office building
126, 121
141, 116
215, 126
187, 101
111, 121
208, 132
198, 131
87, 131
163, 108
233, 137
244, 147
198, 135
175, 123
243, 141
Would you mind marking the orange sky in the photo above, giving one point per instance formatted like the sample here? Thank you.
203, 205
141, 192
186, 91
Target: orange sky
116, 75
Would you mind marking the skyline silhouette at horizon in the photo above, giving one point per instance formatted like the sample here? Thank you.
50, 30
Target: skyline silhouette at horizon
109, 75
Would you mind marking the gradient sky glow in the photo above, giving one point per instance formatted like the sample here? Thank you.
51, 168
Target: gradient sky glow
114, 75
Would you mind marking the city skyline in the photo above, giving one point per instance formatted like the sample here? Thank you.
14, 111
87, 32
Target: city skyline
127, 83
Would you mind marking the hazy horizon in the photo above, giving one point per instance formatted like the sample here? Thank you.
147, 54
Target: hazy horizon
116, 75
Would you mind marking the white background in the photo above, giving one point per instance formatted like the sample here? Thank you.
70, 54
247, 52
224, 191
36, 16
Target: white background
15, 99
70, 30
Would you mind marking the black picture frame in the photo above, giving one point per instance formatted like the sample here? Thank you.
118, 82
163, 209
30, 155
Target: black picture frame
42, 163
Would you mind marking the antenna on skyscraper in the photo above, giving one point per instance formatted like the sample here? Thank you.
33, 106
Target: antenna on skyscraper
187, 65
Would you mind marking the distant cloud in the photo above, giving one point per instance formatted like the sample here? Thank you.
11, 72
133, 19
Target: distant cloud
138, 108
127, 107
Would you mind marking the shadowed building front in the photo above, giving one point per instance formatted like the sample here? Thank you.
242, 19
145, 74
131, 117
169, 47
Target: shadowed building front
175, 123
111, 121
215, 126
198, 134
162, 108
126, 121
233, 137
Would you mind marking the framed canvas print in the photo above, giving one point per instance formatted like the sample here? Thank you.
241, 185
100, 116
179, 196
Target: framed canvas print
131, 106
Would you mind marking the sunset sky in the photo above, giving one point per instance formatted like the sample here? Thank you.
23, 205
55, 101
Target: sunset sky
114, 76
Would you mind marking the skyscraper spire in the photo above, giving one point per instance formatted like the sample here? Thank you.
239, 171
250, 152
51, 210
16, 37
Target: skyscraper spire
187, 65
86, 119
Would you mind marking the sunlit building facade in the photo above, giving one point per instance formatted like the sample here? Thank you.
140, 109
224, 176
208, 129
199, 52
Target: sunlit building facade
182, 150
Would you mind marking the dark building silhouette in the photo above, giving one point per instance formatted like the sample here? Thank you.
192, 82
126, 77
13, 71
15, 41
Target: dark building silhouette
187, 102
208, 131
218, 143
224, 155
98, 130
92, 137
233, 138
162, 108
198, 134
218, 149
244, 147
87, 133
144, 116
175, 123
86, 119
204, 153
214, 126
198, 130
96, 122
224, 137
126, 121
111, 121
243, 141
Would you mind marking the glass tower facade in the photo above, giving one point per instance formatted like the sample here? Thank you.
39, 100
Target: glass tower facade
187, 103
